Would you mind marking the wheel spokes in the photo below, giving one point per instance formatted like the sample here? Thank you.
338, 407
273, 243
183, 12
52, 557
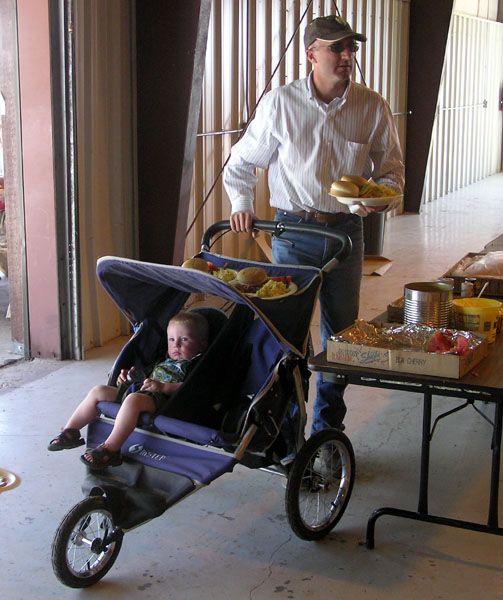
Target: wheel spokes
318, 488
82, 558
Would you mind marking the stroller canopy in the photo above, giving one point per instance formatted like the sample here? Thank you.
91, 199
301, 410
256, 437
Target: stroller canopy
140, 288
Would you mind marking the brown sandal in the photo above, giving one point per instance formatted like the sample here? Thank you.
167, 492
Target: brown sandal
67, 439
99, 458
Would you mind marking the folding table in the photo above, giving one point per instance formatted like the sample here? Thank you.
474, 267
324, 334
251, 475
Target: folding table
484, 383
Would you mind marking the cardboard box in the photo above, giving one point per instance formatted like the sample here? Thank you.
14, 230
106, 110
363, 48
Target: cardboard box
376, 265
406, 361
495, 283
396, 310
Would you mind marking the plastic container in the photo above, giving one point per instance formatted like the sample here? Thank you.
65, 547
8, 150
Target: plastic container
477, 314
493, 290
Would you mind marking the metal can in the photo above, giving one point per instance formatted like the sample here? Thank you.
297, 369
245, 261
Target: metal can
447, 280
466, 289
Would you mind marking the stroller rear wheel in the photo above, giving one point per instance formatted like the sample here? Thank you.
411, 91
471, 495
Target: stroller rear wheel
85, 545
319, 484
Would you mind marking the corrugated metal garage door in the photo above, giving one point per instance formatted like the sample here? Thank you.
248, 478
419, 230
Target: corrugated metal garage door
466, 140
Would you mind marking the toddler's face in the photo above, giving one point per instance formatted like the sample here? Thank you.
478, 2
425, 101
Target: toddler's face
184, 341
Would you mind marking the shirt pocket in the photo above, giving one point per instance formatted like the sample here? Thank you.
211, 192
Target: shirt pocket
355, 159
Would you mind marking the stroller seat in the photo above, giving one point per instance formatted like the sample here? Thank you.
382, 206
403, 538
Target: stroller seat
210, 387
213, 405
212, 408
168, 425
195, 410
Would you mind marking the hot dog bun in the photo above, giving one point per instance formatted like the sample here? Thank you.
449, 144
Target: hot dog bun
356, 179
196, 263
344, 189
252, 276
250, 279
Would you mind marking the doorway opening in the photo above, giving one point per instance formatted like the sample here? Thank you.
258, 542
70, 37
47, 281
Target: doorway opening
5, 328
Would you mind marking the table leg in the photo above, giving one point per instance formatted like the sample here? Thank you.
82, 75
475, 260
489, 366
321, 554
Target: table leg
422, 507
495, 468
422, 512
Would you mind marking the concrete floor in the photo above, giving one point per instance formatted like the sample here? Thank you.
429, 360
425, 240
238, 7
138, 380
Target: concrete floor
231, 540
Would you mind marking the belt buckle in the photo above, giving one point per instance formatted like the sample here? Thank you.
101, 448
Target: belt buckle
320, 217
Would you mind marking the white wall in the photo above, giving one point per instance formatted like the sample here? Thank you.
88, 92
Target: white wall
485, 9
466, 139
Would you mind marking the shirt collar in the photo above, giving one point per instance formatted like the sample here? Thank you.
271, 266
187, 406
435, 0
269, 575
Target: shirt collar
335, 103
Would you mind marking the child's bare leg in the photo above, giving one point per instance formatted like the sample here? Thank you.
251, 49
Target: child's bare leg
127, 417
86, 411
83, 414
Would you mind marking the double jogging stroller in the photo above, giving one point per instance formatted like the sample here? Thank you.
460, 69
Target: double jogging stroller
244, 402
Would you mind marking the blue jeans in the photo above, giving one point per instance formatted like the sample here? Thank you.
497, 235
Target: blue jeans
339, 299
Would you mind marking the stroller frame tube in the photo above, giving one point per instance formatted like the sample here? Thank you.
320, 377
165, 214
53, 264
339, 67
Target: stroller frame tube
245, 442
277, 228
301, 404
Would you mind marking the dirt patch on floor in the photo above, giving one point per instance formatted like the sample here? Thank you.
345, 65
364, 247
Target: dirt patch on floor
23, 371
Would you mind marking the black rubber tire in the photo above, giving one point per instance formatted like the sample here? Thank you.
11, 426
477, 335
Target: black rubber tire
315, 502
74, 562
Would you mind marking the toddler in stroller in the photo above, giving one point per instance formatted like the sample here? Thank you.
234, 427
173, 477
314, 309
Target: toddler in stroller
187, 338
233, 407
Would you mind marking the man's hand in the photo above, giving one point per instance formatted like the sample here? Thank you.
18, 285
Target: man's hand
360, 210
364, 211
242, 222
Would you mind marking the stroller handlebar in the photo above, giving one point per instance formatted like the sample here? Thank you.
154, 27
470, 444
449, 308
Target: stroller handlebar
277, 228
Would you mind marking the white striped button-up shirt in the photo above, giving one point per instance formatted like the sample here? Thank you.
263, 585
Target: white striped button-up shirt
307, 144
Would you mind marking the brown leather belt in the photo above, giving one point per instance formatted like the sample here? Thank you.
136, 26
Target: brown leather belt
317, 217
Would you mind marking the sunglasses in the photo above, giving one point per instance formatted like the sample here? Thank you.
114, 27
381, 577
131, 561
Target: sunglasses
338, 47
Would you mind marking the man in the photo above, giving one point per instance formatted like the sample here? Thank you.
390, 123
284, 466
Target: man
308, 134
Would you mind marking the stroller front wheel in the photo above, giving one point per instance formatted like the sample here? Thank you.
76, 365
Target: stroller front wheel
85, 545
320, 484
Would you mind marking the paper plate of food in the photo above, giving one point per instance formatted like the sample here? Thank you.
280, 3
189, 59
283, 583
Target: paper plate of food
352, 189
200, 264
254, 282
224, 274
276, 288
